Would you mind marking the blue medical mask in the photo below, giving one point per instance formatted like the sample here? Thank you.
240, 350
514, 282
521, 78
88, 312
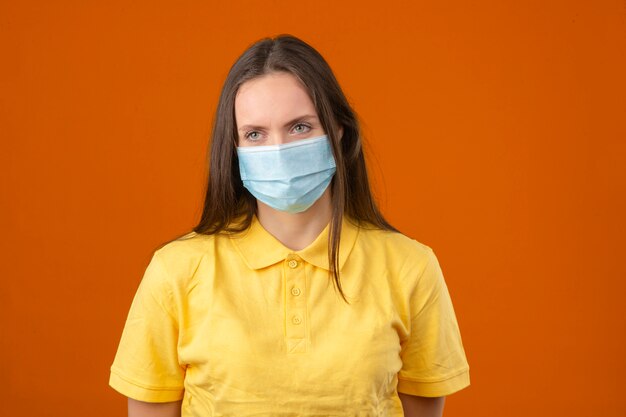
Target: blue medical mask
288, 177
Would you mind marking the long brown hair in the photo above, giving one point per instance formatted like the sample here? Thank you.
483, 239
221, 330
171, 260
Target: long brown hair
226, 198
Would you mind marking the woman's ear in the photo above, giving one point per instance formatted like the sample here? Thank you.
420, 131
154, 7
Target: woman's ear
340, 131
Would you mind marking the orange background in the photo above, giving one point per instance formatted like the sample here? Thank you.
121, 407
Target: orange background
496, 132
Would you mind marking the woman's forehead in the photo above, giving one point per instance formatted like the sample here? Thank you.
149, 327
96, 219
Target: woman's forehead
275, 97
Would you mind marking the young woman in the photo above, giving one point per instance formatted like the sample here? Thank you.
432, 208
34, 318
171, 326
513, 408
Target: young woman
293, 296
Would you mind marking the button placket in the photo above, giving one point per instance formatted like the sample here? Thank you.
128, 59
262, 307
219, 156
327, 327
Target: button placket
295, 307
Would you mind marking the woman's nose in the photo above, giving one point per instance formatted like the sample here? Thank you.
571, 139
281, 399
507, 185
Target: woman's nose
278, 138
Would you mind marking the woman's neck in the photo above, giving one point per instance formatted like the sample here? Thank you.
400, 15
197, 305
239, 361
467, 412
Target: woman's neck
296, 230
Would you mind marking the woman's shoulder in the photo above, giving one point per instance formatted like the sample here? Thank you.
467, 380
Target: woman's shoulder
395, 242
407, 259
187, 244
182, 255
402, 255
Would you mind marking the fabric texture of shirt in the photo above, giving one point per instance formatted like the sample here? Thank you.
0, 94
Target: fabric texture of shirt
241, 325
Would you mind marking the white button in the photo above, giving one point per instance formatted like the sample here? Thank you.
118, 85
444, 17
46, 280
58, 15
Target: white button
295, 291
293, 264
296, 320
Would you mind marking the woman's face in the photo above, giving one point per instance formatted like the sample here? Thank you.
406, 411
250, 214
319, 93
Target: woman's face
274, 109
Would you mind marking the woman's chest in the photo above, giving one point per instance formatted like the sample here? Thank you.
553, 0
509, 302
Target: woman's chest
288, 330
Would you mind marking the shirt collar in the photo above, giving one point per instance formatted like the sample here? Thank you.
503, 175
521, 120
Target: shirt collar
260, 249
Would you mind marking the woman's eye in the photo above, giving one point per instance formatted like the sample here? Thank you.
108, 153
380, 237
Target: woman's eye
301, 128
254, 135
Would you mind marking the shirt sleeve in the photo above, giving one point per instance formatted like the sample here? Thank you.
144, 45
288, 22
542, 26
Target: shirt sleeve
433, 358
146, 365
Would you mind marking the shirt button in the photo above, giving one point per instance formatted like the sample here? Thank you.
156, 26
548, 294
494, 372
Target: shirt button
296, 320
295, 291
293, 264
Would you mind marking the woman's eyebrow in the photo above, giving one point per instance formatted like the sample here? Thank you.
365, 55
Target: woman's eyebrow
289, 123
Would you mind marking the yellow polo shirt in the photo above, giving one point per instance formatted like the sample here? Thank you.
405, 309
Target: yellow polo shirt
240, 325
